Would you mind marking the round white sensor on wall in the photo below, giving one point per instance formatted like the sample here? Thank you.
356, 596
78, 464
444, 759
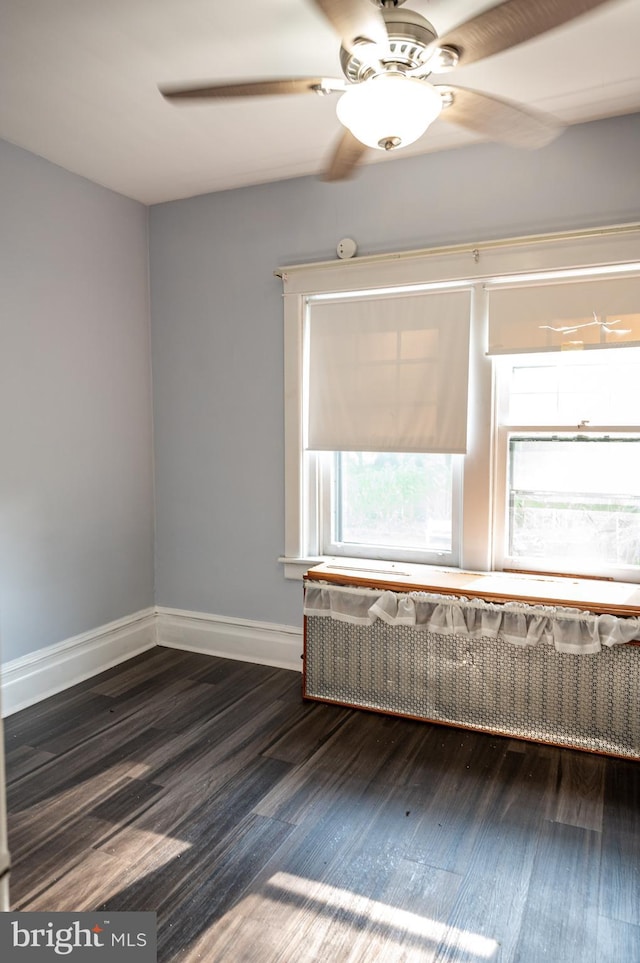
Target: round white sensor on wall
347, 247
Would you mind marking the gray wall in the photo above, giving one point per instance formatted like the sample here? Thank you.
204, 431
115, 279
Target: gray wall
217, 328
76, 495
76, 505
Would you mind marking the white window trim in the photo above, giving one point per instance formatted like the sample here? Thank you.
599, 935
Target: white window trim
470, 263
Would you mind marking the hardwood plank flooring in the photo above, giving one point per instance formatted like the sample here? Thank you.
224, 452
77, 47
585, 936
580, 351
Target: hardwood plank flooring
263, 828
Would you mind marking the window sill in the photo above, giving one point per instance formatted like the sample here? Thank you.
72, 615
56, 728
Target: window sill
297, 567
598, 596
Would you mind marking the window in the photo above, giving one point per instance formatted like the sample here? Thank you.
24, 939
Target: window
386, 378
393, 505
572, 497
525, 456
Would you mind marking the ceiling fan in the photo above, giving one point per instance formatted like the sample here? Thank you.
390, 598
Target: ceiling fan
387, 56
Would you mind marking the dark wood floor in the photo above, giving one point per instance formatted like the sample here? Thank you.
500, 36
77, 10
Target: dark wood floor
260, 827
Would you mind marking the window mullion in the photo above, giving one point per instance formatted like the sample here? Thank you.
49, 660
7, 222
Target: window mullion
476, 535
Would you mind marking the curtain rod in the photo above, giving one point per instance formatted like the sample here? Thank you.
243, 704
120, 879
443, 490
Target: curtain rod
474, 247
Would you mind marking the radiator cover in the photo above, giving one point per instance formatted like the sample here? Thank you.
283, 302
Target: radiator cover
585, 702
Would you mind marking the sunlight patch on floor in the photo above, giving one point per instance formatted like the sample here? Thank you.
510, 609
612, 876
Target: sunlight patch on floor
382, 914
293, 917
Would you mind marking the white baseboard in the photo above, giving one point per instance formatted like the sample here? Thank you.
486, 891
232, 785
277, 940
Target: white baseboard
261, 642
40, 674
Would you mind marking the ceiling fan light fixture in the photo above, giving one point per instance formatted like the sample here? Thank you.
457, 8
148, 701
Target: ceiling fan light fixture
389, 111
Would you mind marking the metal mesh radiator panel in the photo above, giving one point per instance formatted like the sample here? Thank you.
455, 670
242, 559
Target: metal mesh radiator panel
584, 701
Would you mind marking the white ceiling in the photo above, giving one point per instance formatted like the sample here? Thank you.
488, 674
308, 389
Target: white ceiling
79, 85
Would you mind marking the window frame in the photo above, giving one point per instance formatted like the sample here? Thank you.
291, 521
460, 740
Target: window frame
475, 265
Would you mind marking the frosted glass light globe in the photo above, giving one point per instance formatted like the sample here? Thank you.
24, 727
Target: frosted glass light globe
389, 111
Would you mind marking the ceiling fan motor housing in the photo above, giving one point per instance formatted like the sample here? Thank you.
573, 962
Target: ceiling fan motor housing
409, 36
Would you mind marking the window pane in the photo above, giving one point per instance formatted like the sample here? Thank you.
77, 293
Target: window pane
392, 499
575, 498
599, 390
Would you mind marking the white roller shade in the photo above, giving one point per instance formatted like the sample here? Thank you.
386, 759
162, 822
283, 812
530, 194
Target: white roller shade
389, 373
565, 315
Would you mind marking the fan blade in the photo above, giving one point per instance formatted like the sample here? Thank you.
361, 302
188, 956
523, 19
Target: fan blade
510, 23
499, 119
345, 159
354, 20
255, 88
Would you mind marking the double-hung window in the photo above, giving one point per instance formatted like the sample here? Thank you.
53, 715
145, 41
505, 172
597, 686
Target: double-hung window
387, 384
446, 407
567, 424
